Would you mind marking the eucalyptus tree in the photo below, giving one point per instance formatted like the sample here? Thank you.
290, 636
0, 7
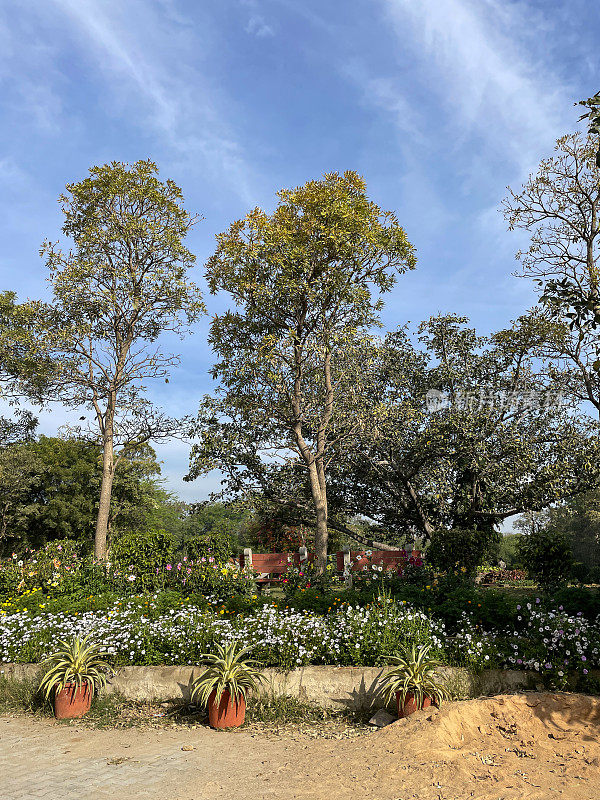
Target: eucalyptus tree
463, 431
304, 281
123, 286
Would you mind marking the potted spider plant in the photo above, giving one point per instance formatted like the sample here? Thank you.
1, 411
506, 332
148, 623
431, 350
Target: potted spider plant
75, 671
413, 682
225, 683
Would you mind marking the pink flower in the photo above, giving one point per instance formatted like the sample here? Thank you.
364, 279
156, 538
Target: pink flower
169, 567
179, 566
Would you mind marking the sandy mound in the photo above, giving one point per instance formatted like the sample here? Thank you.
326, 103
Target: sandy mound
499, 748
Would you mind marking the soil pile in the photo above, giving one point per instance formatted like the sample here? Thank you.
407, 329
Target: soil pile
500, 748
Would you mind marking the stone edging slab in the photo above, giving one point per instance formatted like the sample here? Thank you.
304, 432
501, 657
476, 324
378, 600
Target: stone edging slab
331, 687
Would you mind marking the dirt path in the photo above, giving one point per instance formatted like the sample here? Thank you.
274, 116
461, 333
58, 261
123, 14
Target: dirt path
513, 747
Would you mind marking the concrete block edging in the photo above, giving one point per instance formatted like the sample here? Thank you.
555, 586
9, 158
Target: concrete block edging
352, 688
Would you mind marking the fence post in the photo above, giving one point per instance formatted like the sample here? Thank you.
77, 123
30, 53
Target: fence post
347, 573
303, 553
247, 557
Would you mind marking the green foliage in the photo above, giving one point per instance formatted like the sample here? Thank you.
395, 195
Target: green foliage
488, 449
508, 551
213, 529
20, 695
227, 670
270, 532
548, 556
24, 368
290, 367
123, 286
50, 489
220, 544
414, 673
77, 661
268, 707
145, 553
458, 551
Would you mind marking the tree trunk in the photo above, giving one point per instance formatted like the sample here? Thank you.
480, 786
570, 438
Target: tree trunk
321, 537
108, 474
319, 497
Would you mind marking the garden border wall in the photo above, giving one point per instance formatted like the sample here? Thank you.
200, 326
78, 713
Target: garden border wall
352, 688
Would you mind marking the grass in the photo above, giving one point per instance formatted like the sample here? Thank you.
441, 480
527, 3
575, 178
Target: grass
269, 708
265, 711
24, 697
21, 696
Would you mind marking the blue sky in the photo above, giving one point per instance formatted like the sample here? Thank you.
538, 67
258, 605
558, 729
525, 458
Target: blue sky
440, 104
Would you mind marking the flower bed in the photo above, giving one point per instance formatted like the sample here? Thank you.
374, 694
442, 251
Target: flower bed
141, 631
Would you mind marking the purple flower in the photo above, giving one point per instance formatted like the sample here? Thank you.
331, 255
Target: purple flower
585, 672
583, 658
537, 600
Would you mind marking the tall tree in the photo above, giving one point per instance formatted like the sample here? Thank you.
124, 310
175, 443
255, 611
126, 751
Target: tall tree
462, 432
560, 207
122, 287
303, 280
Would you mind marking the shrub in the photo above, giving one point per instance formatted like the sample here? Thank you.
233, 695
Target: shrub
460, 551
548, 557
218, 543
581, 572
141, 555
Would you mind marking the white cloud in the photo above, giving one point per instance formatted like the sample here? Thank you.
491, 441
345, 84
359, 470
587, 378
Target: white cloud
258, 27
385, 93
149, 58
486, 63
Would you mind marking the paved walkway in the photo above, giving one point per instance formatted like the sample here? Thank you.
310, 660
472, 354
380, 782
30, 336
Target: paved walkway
41, 760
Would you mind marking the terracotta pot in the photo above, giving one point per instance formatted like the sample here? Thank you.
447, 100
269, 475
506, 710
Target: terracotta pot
410, 705
227, 713
72, 701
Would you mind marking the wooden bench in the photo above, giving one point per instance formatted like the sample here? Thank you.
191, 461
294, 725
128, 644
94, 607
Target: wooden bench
269, 567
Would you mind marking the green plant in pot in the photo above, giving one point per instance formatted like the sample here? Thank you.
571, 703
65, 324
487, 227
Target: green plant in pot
413, 682
75, 672
225, 684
